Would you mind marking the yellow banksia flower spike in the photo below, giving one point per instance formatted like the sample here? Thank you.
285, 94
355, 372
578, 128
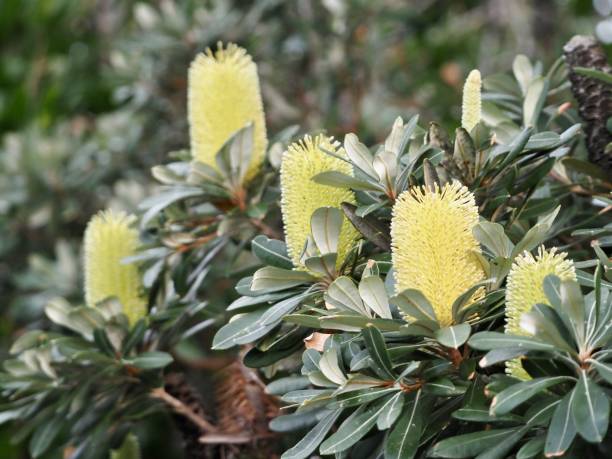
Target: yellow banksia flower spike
108, 240
432, 244
471, 111
301, 196
223, 97
524, 290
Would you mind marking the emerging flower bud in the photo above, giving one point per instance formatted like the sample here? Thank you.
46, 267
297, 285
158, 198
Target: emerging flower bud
471, 107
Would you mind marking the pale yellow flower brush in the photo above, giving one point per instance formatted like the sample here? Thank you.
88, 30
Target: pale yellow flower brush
301, 196
433, 246
223, 97
109, 239
524, 289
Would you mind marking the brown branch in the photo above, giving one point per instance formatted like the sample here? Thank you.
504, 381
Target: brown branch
182, 409
210, 363
266, 229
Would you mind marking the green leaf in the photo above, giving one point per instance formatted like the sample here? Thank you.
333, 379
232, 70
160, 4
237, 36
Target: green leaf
501, 355
418, 328
246, 301
536, 94
594, 73
354, 428
501, 449
83, 320
531, 449
403, 441
470, 445
361, 396
271, 252
103, 342
271, 279
552, 290
356, 323
340, 180
240, 151
324, 265
156, 203
453, 336
584, 167
523, 71
28, 340
301, 396
443, 387
544, 322
604, 369
516, 147
485, 341
508, 399
359, 155
543, 141
134, 337
275, 313
388, 416
309, 443
541, 410
288, 384
298, 420
493, 237
370, 227
130, 449
375, 343
330, 368
152, 360
483, 415
241, 330
561, 431
537, 234
385, 165
44, 435
325, 224
414, 304
304, 320
374, 295
343, 294
590, 409
572, 303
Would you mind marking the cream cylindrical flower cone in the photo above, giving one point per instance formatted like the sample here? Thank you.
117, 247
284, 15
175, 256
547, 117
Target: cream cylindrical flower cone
223, 97
108, 240
301, 196
471, 111
524, 289
433, 248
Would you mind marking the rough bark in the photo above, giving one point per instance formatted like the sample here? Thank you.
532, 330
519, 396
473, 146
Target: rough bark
177, 386
594, 96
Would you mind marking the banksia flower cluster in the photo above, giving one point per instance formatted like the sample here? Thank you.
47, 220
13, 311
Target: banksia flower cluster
471, 111
301, 196
433, 246
525, 289
108, 240
223, 98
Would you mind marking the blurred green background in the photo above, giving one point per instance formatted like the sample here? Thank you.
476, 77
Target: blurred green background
93, 92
